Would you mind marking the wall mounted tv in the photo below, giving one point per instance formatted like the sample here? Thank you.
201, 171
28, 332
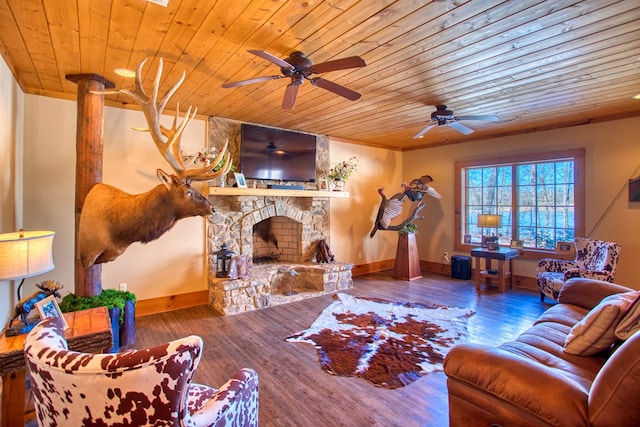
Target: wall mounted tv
277, 154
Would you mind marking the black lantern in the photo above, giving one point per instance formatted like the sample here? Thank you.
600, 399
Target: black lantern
223, 256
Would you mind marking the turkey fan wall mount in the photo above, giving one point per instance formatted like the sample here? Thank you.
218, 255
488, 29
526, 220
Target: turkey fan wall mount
445, 117
298, 68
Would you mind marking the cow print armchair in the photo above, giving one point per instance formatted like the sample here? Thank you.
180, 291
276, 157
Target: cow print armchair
595, 259
137, 387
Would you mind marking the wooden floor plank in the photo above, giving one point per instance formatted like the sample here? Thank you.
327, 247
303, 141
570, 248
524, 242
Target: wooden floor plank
294, 391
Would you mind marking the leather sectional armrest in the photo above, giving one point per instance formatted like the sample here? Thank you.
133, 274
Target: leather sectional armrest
520, 382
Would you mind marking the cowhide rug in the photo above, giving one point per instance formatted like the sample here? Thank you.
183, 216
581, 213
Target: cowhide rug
390, 344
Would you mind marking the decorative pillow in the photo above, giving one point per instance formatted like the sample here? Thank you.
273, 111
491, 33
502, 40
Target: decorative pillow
596, 331
630, 321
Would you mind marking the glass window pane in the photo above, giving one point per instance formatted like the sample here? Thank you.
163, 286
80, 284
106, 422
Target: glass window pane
544, 205
564, 172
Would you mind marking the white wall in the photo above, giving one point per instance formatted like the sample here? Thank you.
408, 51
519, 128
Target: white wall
171, 265
612, 156
11, 124
352, 219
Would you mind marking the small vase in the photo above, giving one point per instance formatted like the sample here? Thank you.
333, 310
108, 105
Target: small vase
338, 184
220, 181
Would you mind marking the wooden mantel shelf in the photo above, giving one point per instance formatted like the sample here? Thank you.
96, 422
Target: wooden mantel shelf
276, 192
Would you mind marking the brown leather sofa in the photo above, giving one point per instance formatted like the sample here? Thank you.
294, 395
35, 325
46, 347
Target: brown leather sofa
532, 382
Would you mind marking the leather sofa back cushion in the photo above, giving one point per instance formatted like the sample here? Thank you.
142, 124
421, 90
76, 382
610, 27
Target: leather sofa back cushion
596, 331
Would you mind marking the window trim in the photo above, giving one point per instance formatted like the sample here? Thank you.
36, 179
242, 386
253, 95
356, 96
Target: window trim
577, 154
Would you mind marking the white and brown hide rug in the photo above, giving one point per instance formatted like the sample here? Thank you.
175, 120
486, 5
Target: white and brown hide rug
390, 344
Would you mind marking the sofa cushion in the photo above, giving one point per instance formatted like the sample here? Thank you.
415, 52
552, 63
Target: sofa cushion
596, 331
630, 322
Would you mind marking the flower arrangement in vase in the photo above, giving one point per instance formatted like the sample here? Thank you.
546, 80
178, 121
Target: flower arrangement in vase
205, 157
341, 172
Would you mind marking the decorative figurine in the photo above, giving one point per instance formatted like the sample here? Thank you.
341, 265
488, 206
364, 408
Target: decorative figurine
28, 303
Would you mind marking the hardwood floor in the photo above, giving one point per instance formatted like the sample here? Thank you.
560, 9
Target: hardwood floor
294, 391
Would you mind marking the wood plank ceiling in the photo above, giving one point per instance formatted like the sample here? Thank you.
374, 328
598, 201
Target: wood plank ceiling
536, 64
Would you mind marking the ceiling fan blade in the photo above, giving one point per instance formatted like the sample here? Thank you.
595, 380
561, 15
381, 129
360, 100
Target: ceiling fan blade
250, 81
271, 58
336, 88
488, 118
460, 128
423, 131
338, 64
290, 94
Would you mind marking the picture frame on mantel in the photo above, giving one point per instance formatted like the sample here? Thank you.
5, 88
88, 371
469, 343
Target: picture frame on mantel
242, 183
323, 184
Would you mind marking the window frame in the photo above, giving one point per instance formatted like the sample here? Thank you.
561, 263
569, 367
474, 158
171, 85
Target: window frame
578, 156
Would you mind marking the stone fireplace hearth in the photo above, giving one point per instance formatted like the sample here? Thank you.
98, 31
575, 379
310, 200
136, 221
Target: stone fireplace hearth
250, 225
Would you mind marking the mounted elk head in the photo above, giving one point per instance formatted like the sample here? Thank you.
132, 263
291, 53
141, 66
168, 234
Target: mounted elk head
111, 219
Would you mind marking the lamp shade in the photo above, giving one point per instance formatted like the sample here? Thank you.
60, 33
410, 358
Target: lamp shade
25, 254
489, 221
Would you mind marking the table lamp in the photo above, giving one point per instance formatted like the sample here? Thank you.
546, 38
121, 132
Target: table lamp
25, 254
489, 221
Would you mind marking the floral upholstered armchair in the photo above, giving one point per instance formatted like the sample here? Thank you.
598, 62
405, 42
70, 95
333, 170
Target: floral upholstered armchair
595, 259
138, 387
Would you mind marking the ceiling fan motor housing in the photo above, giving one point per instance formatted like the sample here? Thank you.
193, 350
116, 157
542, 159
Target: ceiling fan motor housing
442, 113
300, 64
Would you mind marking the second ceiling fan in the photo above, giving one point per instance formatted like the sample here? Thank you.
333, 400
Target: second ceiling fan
444, 117
298, 67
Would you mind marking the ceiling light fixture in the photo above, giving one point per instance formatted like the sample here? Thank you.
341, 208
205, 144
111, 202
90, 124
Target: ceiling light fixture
124, 72
160, 2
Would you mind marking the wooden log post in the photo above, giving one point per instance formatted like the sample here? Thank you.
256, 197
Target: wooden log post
89, 148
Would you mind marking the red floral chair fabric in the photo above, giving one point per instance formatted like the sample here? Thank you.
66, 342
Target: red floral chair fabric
149, 387
595, 259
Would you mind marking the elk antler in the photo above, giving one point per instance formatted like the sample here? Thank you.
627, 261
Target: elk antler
167, 140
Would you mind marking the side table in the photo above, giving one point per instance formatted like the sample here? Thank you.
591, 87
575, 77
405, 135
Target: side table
89, 332
501, 255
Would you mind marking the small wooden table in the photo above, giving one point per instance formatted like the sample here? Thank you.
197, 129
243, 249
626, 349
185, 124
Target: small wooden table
89, 332
501, 255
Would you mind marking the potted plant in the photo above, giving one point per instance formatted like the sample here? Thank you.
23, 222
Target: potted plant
410, 228
121, 307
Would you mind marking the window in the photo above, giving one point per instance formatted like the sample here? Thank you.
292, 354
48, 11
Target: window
539, 197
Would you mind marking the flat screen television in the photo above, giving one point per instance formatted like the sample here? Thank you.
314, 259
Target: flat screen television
277, 154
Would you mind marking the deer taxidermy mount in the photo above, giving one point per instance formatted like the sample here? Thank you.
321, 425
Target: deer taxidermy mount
112, 219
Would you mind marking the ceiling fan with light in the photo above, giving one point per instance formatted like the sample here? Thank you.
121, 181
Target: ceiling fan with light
444, 117
298, 68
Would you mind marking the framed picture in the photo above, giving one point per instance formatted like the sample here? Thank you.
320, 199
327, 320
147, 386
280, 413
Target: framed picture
517, 244
467, 239
323, 184
242, 183
486, 239
564, 247
49, 307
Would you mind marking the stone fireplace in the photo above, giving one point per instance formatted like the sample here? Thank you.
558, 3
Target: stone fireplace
250, 220
251, 225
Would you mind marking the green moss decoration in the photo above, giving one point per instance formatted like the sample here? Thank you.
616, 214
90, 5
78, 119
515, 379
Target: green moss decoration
408, 229
109, 298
